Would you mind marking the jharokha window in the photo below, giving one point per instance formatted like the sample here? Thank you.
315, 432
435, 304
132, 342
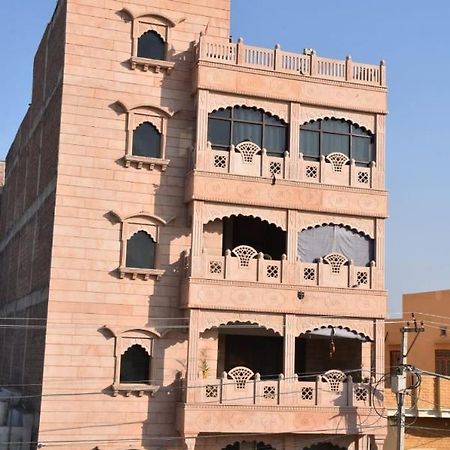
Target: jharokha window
231, 126
442, 362
151, 37
139, 238
325, 136
146, 136
133, 368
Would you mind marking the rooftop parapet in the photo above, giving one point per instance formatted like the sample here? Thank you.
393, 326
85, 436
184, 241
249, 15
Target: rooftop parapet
307, 64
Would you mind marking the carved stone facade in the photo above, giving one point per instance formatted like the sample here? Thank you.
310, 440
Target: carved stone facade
213, 284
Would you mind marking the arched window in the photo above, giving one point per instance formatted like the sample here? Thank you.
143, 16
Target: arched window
231, 126
152, 46
147, 141
135, 365
317, 242
324, 446
324, 136
141, 251
249, 446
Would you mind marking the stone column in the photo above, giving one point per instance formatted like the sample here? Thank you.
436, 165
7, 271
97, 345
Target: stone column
379, 253
201, 138
294, 140
197, 238
380, 155
379, 350
194, 334
289, 347
289, 275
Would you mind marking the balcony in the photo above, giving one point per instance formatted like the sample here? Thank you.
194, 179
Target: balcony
245, 264
278, 406
275, 60
335, 169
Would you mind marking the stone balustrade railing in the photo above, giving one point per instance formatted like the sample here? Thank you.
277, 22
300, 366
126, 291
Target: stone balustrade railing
306, 65
282, 391
335, 169
333, 270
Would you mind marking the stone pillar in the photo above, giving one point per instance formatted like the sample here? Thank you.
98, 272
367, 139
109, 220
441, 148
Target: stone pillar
379, 350
379, 150
194, 335
289, 347
189, 443
294, 140
366, 353
379, 254
197, 238
201, 138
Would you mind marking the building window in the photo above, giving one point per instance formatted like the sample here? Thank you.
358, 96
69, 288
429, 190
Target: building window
135, 365
443, 332
151, 37
151, 45
324, 136
231, 126
317, 242
133, 355
146, 141
442, 358
141, 251
139, 237
146, 137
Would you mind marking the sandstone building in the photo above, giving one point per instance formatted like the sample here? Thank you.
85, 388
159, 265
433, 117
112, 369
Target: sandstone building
192, 239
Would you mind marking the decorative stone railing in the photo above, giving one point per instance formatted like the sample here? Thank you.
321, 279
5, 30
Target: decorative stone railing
248, 265
335, 169
304, 65
336, 389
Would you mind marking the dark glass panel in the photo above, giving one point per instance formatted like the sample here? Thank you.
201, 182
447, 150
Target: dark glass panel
309, 143
147, 141
335, 143
360, 131
247, 132
361, 149
335, 126
272, 120
275, 139
152, 46
219, 132
141, 251
221, 113
311, 125
135, 365
250, 114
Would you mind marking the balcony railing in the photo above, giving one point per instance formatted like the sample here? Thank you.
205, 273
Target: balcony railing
244, 263
333, 388
305, 65
334, 169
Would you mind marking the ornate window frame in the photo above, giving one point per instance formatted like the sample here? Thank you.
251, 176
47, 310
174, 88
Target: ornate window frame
123, 340
137, 115
150, 21
131, 224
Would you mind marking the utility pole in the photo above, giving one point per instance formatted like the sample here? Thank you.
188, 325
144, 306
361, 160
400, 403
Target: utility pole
401, 379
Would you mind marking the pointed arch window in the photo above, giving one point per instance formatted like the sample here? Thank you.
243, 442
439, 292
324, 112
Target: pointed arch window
151, 39
134, 370
146, 141
139, 238
141, 251
146, 138
151, 45
135, 365
324, 136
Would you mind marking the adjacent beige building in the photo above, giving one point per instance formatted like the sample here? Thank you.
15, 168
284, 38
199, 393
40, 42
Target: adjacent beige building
192, 240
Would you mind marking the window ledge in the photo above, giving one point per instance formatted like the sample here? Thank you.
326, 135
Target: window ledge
156, 64
145, 161
134, 272
126, 389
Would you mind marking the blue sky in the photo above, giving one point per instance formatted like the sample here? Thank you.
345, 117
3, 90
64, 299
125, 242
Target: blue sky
412, 36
